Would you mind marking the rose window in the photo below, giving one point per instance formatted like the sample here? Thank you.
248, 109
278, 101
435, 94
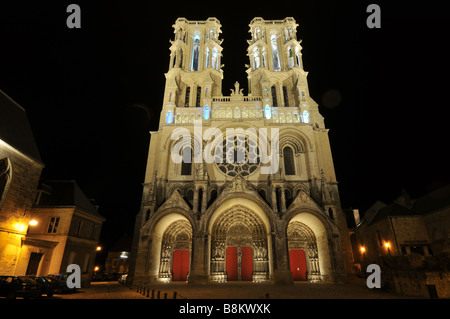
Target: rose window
238, 154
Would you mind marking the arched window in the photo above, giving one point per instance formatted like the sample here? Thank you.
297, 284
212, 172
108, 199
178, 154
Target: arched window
264, 57
200, 198
169, 117
297, 54
274, 95
285, 96
199, 96
289, 164
215, 62
5, 178
207, 58
305, 116
186, 163
206, 112
278, 197
267, 112
147, 214
256, 58
275, 56
290, 58
195, 53
187, 97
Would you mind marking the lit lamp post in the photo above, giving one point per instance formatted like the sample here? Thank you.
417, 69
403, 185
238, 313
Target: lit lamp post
33, 222
388, 245
363, 253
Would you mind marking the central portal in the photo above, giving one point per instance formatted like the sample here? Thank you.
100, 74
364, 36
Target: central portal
239, 262
239, 247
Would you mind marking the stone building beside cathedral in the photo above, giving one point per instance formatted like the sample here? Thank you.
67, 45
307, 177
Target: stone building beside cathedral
239, 187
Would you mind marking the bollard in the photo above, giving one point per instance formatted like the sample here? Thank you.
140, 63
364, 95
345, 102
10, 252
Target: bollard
267, 296
153, 293
158, 295
165, 295
174, 295
143, 291
148, 291
137, 288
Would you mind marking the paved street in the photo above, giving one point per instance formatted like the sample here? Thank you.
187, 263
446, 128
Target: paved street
233, 290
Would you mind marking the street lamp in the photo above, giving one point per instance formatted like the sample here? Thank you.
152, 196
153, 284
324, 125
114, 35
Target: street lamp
388, 245
33, 222
363, 253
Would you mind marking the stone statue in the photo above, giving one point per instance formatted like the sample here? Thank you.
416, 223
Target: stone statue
236, 90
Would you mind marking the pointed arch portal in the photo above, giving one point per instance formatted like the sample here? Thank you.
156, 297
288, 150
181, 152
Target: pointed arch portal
239, 249
175, 251
303, 253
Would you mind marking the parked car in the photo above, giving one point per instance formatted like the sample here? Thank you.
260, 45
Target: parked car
61, 280
19, 286
49, 285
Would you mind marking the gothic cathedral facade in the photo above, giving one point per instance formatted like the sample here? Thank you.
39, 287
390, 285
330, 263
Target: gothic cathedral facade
239, 187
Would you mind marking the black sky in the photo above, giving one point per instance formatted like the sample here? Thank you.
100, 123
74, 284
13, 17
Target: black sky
92, 94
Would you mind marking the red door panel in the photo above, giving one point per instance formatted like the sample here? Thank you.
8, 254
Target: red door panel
180, 264
298, 264
246, 263
232, 269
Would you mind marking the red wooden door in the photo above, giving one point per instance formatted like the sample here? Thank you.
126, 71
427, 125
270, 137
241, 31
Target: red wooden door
298, 264
180, 264
246, 263
232, 269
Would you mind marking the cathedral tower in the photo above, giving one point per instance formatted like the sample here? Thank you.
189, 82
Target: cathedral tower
239, 187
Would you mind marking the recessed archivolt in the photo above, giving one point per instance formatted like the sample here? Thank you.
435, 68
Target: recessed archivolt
299, 231
178, 230
293, 142
300, 138
227, 223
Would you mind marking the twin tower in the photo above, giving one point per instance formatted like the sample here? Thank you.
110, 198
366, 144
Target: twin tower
275, 72
230, 218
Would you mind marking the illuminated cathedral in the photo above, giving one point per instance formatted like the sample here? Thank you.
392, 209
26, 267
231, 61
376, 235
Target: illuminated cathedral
239, 187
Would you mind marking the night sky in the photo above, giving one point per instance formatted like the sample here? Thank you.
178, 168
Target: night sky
93, 94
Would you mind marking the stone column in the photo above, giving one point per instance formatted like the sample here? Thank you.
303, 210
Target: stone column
195, 204
198, 270
283, 200
274, 200
281, 268
203, 208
